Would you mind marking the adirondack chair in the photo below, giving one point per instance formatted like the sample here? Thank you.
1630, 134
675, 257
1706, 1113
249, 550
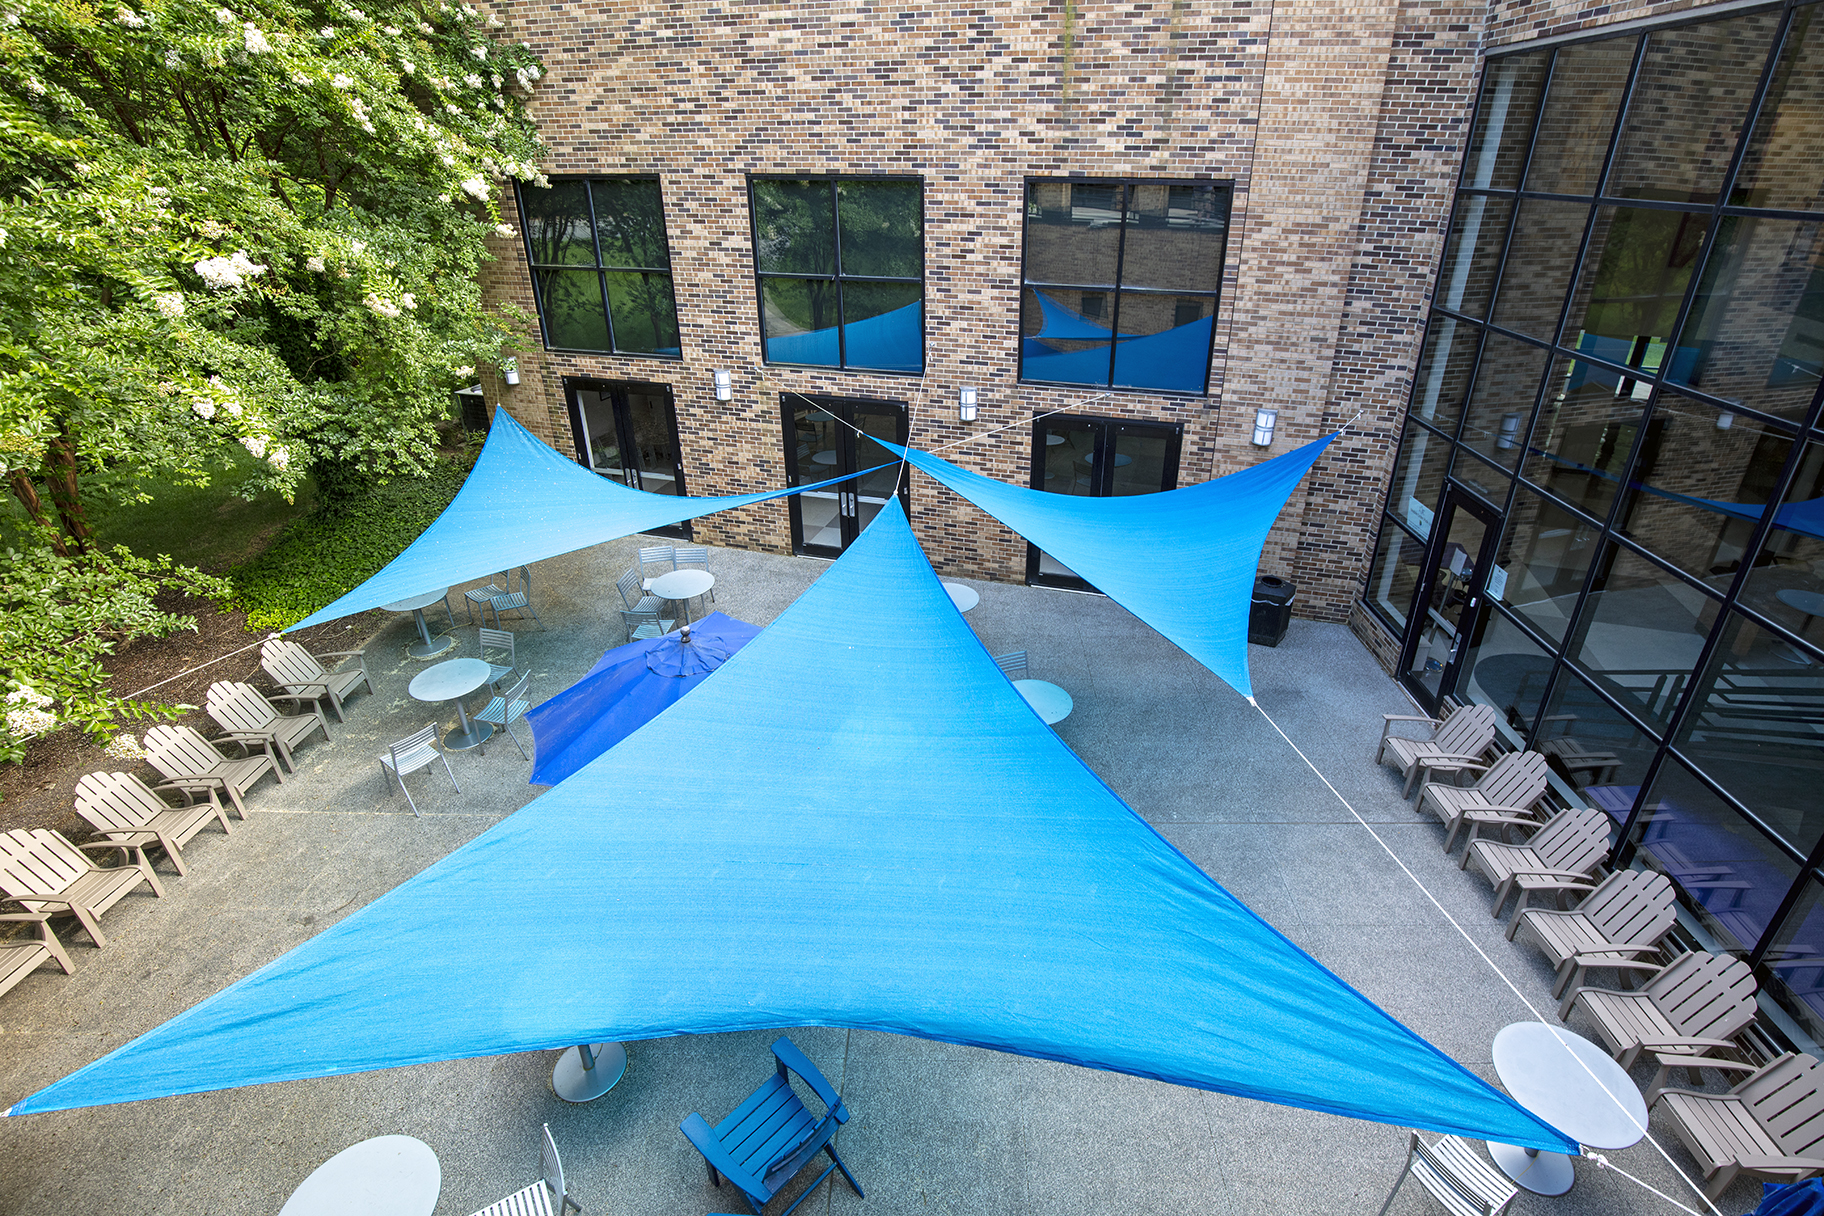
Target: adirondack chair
1460, 738
1695, 1004
249, 718
121, 808
1570, 845
771, 1136
1507, 791
44, 872
23, 955
1771, 1125
1619, 921
303, 675
191, 763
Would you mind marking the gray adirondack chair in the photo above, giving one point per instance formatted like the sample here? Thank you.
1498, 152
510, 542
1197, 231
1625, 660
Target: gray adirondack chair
44, 872
122, 808
191, 763
1619, 921
1457, 1176
1461, 738
1694, 1005
1570, 845
1771, 1125
303, 675
249, 718
1507, 791
21, 956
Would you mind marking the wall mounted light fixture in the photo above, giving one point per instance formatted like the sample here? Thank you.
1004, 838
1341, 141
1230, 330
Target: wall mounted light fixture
1509, 432
1724, 421
1264, 422
725, 384
965, 404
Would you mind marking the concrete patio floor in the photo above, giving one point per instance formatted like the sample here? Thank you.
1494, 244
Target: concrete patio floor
936, 1128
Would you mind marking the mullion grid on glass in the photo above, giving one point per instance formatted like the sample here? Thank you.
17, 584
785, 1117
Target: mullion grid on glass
541, 271
1387, 517
601, 279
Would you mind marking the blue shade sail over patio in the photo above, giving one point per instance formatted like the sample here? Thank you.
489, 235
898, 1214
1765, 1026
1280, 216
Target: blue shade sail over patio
1183, 560
876, 832
627, 688
522, 503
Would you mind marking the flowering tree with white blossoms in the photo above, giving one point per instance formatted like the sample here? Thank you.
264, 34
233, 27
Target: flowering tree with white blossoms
258, 224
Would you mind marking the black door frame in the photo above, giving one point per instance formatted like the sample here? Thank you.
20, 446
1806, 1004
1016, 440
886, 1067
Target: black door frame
1473, 616
1101, 472
848, 511
616, 391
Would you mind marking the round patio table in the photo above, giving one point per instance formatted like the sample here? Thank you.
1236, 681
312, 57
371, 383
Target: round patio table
1573, 1085
1047, 700
452, 680
964, 597
385, 1176
416, 604
683, 585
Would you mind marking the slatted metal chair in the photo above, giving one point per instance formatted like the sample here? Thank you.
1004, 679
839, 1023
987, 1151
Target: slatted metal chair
20, 956
504, 710
511, 600
1460, 738
417, 750
771, 1136
1505, 793
656, 560
123, 809
644, 624
1696, 1004
481, 597
304, 676
1618, 922
1012, 664
249, 718
693, 557
191, 763
1770, 1126
500, 641
1457, 1177
44, 872
635, 598
1569, 846
546, 1197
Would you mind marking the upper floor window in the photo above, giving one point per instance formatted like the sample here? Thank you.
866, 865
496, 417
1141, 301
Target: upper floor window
600, 266
840, 269
1121, 282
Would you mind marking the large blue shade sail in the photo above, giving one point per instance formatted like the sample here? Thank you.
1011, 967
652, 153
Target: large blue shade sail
627, 688
522, 503
1183, 560
909, 850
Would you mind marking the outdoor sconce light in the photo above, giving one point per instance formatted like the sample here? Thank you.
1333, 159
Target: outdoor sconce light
1264, 422
509, 368
725, 385
1510, 430
965, 407
1724, 421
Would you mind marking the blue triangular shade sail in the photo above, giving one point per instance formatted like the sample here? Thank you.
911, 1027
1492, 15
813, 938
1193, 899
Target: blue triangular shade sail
1183, 560
522, 503
627, 688
906, 849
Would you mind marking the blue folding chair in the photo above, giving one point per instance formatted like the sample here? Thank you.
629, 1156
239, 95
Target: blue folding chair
771, 1136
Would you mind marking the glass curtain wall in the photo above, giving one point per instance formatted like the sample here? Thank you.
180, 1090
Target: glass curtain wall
1623, 362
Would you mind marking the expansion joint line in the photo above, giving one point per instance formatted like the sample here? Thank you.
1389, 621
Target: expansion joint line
1495, 967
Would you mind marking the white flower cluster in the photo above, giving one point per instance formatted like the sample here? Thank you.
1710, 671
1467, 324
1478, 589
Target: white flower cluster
224, 16
391, 31
363, 116
476, 188
279, 458
129, 18
255, 444
315, 264
473, 80
527, 77
254, 40
380, 306
223, 274
204, 409
170, 304
124, 746
466, 371
342, 80
505, 230
480, 52
407, 66
327, 32
28, 712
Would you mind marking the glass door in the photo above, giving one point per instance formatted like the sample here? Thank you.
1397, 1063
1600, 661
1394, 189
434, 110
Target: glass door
831, 436
1449, 603
628, 431
1096, 458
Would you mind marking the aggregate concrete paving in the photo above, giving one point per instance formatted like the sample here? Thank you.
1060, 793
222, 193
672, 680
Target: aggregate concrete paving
936, 1128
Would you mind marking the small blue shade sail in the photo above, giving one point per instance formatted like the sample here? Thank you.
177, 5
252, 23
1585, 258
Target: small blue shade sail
905, 848
1183, 560
627, 688
892, 341
522, 503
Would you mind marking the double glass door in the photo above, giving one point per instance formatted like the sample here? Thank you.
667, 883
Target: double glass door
1449, 609
1096, 458
829, 437
628, 432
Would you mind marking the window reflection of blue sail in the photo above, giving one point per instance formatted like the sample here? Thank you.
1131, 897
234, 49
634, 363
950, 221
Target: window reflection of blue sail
892, 341
1175, 359
1805, 518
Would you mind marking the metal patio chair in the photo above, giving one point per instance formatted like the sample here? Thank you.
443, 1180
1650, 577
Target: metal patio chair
546, 1197
511, 600
633, 596
693, 557
1457, 1177
1012, 664
644, 624
417, 750
480, 597
498, 640
506, 709
655, 560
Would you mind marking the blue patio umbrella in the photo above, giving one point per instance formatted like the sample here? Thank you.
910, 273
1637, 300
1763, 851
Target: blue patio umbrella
627, 688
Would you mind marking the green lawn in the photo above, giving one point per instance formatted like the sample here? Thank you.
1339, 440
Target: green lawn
209, 528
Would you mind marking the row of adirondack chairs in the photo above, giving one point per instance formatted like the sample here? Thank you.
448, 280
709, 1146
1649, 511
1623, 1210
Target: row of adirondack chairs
1680, 1013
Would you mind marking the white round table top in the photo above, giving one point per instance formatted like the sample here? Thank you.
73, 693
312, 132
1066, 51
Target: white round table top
964, 597
385, 1176
1570, 1083
448, 680
824, 458
683, 584
417, 601
1049, 701
1811, 603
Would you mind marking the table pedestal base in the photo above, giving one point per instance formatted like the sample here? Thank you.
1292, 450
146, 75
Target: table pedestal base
574, 1083
430, 649
459, 740
1542, 1173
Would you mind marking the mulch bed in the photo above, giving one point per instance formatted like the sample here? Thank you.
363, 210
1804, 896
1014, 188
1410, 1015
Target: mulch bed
37, 794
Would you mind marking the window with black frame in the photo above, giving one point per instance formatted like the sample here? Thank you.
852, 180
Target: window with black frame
840, 271
601, 269
1121, 282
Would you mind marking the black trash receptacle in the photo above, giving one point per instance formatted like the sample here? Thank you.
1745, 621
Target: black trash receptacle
1270, 615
